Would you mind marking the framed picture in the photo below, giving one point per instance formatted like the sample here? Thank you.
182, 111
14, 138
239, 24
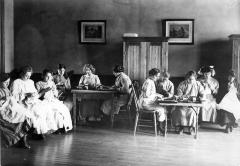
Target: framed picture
179, 31
91, 31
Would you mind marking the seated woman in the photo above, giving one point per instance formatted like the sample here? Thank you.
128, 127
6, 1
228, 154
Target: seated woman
48, 91
24, 91
122, 86
62, 81
164, 86
15, 120
90, 108
89, 79
185, 116
208, 111
228, 108
148, 97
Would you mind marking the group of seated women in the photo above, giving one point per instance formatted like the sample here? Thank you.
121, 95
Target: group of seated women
35, 107
32, 106
90, 109
203, 87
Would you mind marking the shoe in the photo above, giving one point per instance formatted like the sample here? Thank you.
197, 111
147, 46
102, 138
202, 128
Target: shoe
162, 128
235, 125
161, 131
57, 132
42, 136
180, 131
98, 119
25, 144
91, 118
191, 131
227, 129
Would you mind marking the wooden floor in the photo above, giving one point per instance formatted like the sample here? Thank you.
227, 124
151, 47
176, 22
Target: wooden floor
109, 147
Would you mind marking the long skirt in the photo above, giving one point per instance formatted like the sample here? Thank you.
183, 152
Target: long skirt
161, 116
13, 132
112, 106
62, 116
44, 118
225, 118
208, 113
184, 116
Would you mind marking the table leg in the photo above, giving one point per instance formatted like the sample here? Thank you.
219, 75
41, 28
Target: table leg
196, 128
196, 125
74, 109
165, 131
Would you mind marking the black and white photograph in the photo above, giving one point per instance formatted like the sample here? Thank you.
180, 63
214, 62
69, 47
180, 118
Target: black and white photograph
119, 83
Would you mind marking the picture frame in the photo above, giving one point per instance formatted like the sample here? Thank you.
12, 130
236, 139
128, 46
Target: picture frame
179, 31
92, 31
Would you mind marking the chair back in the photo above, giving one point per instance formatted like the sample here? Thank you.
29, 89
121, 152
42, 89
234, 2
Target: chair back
135, 99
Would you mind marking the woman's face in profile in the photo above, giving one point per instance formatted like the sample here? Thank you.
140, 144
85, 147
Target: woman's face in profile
231, 78
27, 75
157, 76
5, 84
115, 74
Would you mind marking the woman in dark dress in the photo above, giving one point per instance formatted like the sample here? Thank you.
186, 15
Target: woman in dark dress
228, 108
12, 132
62, 81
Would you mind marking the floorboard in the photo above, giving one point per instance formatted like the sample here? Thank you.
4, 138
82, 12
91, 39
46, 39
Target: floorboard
94, 146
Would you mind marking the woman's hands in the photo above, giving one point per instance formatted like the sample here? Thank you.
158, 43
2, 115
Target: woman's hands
43, 91
159, 96
46, 90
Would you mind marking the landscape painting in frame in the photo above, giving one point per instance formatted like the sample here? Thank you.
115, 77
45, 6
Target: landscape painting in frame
92, 31
179, 31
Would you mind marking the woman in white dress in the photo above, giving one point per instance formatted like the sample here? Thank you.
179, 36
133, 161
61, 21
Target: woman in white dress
24, 91
48, 92
90, 108
149, 96
229, 107
208, 111
185, 117
164, 86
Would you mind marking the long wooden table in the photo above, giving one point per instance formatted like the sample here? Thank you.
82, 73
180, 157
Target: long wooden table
185, 104
79, 95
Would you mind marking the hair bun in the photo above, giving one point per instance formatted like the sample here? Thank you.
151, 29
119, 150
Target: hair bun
118, 68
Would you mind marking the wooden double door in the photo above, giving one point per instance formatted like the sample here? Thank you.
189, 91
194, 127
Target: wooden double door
140, 54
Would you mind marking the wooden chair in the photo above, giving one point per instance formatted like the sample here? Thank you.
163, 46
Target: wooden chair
141, 122
126, 109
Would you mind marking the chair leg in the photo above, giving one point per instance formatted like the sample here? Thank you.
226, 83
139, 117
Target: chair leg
130, 118
112, 120
136, 124
155, 123
165, 132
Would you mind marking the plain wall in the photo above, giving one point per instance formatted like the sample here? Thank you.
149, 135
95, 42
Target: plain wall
6, 36
46, 32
